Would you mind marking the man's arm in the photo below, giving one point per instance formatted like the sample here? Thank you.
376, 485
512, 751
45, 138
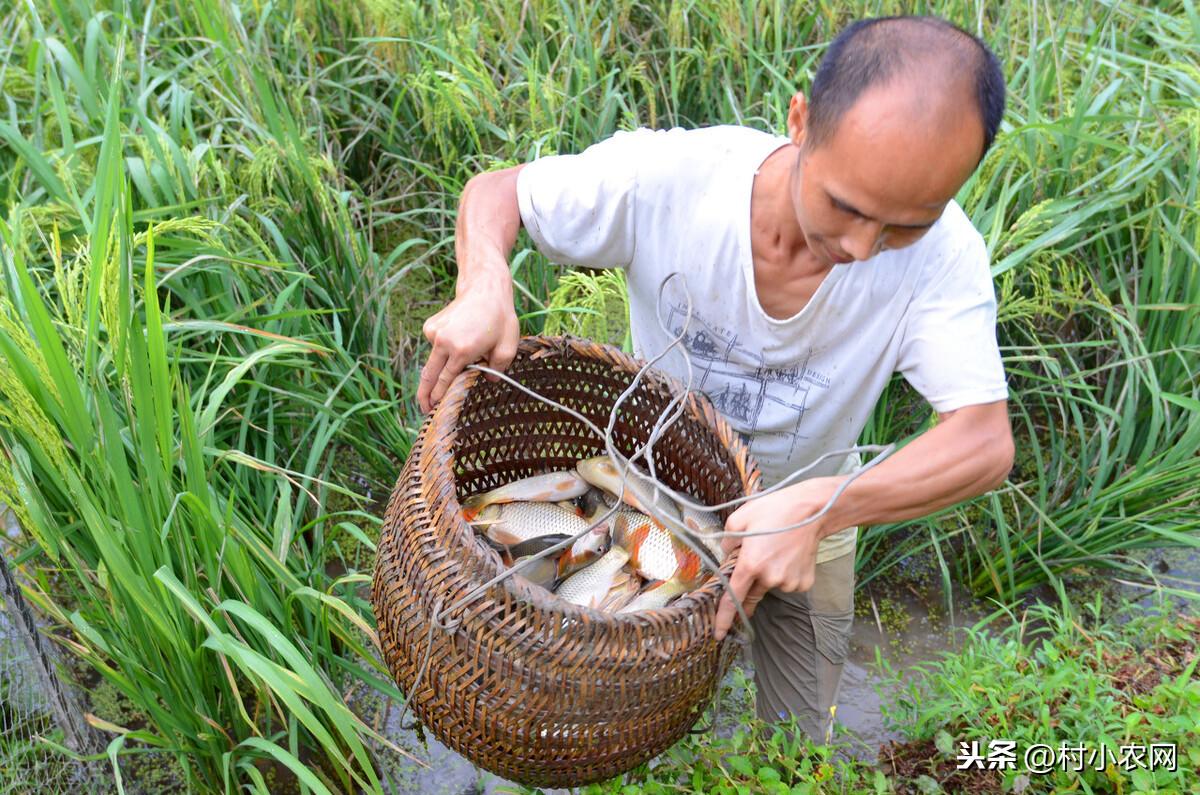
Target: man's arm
481, 322
969, 452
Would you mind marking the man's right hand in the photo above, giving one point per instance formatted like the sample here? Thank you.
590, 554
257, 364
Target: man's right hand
480, 323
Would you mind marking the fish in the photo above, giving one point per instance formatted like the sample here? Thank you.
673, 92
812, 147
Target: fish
550, 487
529, 525
603, 473
705, 522
654, 552
590, 587
659, 594
588, 547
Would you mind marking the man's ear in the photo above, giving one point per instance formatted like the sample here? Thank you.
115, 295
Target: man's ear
797, 117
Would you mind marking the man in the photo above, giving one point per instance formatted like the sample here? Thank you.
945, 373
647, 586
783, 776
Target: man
818, 264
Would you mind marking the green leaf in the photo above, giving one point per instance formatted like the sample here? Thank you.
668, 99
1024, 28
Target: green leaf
742, 766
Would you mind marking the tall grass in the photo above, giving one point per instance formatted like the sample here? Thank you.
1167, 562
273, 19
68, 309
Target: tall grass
192, 329
222, 225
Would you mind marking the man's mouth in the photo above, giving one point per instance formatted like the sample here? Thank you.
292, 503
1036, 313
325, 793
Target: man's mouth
836, 256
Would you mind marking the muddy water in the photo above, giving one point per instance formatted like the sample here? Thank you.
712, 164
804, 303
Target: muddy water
932, 629
903, 629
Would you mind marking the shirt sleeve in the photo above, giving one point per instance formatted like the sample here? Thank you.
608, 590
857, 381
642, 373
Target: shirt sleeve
948, 348
581, 209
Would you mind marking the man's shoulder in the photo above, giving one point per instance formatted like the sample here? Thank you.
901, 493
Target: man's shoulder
952, 239
720, 143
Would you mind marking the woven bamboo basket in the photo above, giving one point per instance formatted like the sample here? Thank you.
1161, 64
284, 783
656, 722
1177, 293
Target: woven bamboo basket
523, 684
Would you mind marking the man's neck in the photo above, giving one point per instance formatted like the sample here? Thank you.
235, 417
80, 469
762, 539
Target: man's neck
780, 250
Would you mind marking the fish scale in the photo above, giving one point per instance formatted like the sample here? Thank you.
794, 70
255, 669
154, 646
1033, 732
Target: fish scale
653, 551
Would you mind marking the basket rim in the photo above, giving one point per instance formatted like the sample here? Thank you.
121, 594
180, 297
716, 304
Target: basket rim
441, 429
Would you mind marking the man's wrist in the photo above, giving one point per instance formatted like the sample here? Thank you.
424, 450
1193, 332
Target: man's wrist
843, 512
489, 278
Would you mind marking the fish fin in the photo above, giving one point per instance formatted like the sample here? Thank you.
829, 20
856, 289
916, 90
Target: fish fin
633, 540
532, 546
502, 537
688, 561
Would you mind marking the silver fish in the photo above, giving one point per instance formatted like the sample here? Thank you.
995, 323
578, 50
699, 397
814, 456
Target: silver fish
603, 473
589, 587
520, 522
657, 594
705, 522
551, 487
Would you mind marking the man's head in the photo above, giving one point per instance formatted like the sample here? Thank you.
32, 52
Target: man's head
901, 112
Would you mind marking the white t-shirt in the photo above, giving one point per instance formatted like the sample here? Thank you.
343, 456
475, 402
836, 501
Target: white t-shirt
653, 202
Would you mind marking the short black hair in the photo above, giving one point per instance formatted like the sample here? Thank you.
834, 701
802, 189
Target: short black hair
870, 52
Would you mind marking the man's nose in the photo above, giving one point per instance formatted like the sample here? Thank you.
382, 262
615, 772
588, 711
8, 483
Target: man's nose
864, 240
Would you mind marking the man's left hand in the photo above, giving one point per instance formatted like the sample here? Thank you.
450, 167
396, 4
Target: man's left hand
783, 561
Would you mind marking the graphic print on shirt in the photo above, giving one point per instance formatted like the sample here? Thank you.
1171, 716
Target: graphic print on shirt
758, 400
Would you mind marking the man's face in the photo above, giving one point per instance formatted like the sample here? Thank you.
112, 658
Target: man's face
884, 175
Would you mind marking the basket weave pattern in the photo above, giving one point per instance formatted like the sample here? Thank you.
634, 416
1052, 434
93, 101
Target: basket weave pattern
523, 684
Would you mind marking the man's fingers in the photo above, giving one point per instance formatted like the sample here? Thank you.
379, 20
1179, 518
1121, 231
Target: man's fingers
429, 376
730, 543
740, 585
453, 367
725, 614
503, 354
750, 603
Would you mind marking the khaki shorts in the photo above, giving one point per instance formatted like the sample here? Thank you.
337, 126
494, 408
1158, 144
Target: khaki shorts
800, 645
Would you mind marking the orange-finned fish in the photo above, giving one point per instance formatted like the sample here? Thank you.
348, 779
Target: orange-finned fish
518, 523
589, 587
603, 473
551, 487
654, 552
